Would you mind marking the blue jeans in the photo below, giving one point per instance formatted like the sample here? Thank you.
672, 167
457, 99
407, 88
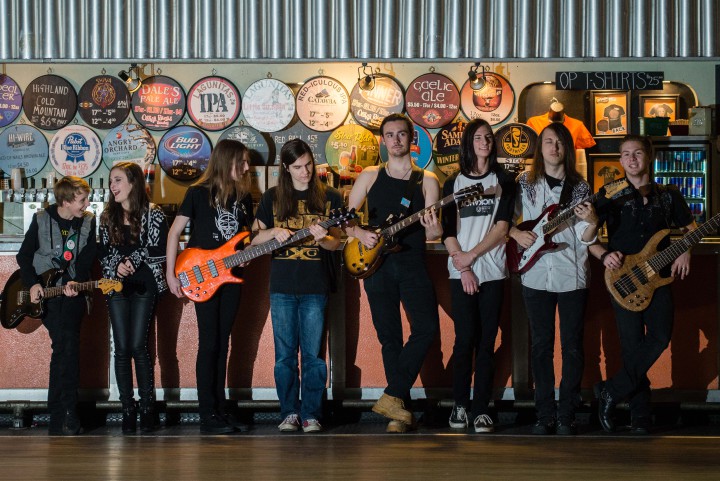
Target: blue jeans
298, 322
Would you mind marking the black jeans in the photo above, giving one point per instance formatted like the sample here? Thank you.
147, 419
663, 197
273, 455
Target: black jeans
62, 321
402, 278
130, 316
215, 319
476, 318
540, 307
643, 338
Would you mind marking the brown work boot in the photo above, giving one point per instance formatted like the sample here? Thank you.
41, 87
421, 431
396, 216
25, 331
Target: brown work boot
393, 408
401, 427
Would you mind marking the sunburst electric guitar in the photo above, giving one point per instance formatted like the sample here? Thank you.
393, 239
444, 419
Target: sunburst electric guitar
632, 286
519, 260
15, 304
202, 271
360, 262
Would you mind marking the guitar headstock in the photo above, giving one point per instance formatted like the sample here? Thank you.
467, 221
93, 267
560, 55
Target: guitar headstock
107, 285
612, 188
342, 216
469, 193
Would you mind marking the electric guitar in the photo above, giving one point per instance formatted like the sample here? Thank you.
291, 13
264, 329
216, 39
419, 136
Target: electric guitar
361, 262
519, 260
202, 271
632, 286
15, 304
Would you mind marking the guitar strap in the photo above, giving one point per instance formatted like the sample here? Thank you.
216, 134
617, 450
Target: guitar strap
415, 178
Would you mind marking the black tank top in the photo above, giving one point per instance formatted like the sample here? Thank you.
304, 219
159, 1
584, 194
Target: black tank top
384, 199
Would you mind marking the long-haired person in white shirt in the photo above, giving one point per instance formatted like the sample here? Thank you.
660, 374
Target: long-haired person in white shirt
558, 279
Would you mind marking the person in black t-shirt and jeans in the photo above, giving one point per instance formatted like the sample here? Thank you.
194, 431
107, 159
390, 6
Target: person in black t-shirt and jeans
299, 282
633, 216
220, 206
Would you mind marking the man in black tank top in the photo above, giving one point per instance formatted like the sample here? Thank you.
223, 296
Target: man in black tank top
402, 276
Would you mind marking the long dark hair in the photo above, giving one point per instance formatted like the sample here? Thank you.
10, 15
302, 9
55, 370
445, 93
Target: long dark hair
217, 176
468, 158
538, 164
138, 199
285, 205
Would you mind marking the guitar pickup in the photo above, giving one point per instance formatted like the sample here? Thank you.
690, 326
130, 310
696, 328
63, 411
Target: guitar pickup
183, 278
198, 274
213, 268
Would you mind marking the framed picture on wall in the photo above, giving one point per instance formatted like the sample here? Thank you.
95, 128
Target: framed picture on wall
611, 110
659, 106
605, 169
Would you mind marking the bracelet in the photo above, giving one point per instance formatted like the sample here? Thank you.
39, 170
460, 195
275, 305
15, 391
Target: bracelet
464, 270
603, 256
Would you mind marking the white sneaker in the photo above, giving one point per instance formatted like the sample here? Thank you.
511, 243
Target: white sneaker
311, 426
483, 424
458, 417
290, 424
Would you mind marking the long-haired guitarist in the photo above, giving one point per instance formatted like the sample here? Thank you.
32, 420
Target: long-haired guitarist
299, 282
632, 217
133, 239
474, 234
559, 279
398, 187
220, 206
62, 236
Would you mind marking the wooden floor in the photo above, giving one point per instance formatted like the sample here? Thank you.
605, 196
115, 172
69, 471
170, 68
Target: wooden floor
360, 451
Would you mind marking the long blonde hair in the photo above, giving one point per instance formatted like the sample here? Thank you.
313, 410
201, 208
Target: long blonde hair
218, 174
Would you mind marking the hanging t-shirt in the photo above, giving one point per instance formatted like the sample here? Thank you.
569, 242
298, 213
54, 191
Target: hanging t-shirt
300, 268
582, 137
214, 226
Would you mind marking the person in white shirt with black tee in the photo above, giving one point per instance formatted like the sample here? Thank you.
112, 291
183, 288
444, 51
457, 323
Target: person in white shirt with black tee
558, 279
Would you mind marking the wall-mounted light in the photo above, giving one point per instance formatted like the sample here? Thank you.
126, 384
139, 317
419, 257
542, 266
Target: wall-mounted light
131, 77
366, 77
477, 81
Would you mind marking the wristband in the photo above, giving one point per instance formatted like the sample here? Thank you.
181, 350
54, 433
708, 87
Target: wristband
603, 256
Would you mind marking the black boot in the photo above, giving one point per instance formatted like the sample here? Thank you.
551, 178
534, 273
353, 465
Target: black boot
149, 418
71, 425
129, 419
606, 407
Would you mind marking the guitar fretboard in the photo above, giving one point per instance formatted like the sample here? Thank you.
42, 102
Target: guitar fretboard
669, 254
58, 290
566, 214
473, 190
253, 252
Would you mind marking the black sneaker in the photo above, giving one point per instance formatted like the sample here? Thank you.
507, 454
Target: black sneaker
458, 417
71, 425
565, 428
544, 427
233, 422
215, 425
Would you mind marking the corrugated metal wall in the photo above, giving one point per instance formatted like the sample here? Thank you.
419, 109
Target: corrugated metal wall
71, 30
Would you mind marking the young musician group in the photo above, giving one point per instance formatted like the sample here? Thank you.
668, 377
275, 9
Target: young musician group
136, 246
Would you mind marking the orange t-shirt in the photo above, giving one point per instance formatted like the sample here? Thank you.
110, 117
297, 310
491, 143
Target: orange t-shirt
581, 136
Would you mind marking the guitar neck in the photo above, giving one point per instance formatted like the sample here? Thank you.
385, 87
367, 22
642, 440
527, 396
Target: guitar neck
407, 221
568, 213
58, 290
677, 248
253, 252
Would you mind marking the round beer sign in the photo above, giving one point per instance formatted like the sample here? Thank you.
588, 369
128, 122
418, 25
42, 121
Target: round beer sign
10, 100
515, 143
257, 143
129, 143
316, 141
23, 146
104, 102
322, 104
159, 103
350, 149
493, 102
269, 105
50, 102
184, 152
75, 150
432, 100
420, 148
446, 147
213, 103
370, 107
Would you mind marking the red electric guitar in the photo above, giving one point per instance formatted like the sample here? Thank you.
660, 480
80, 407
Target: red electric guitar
519, 260
202, 271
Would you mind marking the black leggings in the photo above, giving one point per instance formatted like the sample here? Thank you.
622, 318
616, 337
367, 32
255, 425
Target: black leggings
130, 316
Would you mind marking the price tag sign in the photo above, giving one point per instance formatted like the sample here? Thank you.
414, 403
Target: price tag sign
104, 102
50, 102
322, 104
184, 152
10, 100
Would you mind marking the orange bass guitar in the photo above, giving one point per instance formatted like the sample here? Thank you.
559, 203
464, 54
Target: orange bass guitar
202, 271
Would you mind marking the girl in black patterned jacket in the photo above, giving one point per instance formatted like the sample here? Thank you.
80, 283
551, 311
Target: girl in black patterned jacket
133, 237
